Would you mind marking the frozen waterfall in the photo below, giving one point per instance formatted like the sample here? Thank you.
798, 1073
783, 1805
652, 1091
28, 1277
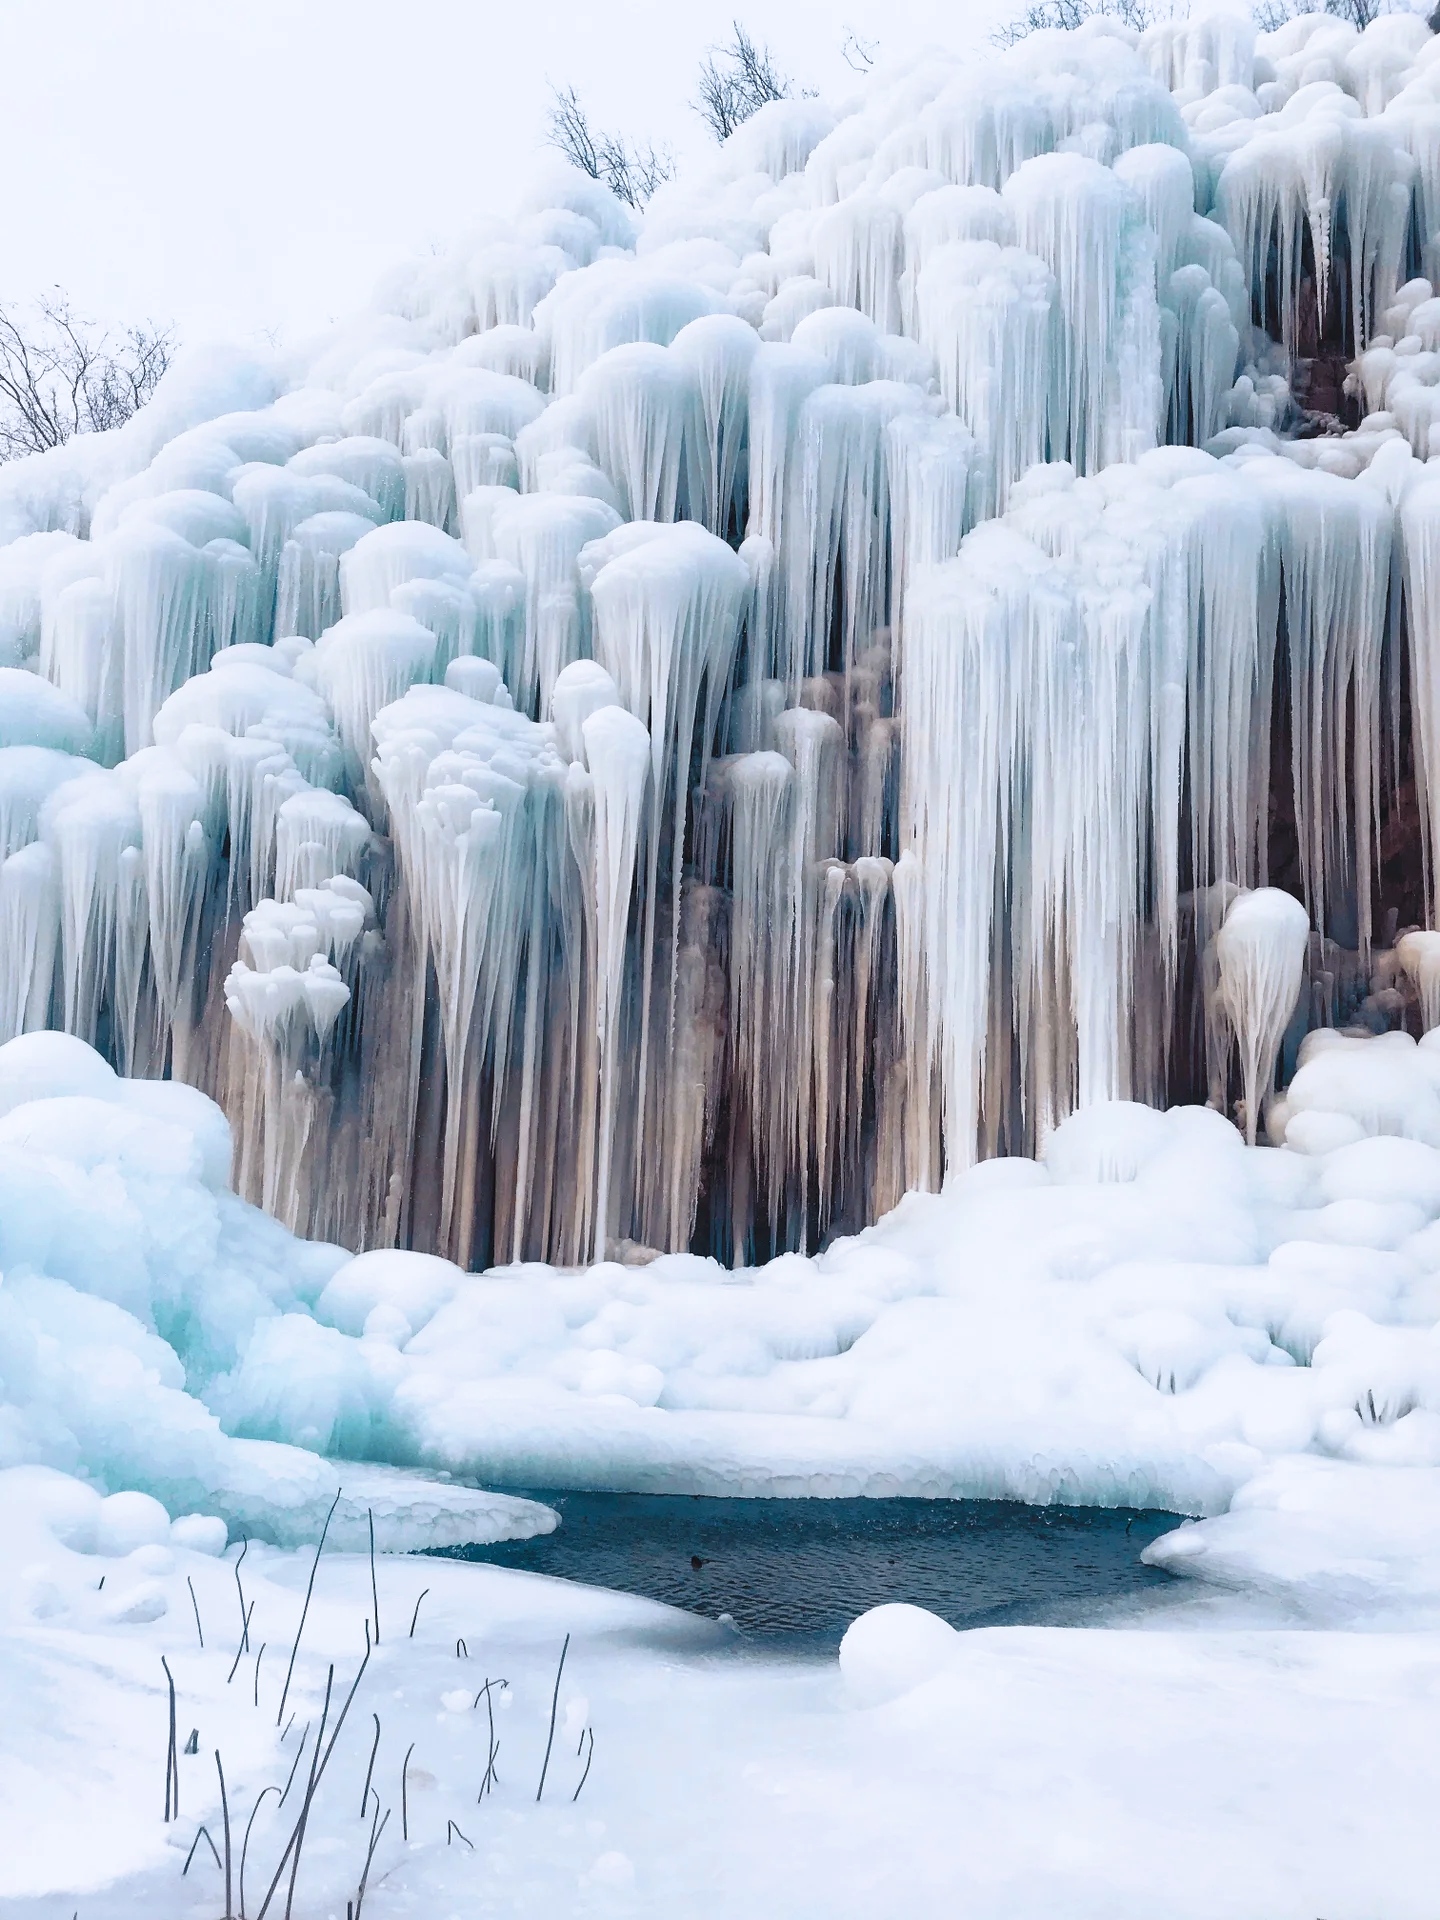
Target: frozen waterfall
678, 729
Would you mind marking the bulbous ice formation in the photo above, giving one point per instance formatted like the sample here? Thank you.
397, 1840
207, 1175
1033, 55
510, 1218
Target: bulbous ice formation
1419, 954
1261, 949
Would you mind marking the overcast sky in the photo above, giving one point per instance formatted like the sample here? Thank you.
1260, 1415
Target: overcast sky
238, 166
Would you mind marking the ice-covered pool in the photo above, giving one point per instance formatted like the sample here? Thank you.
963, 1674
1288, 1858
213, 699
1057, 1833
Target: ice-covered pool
810, 1566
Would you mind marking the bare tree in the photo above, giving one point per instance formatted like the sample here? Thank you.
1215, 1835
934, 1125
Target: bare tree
631, 170
61, 375
736, 81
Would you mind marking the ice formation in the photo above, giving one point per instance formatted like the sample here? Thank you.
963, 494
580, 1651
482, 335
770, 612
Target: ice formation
676, 730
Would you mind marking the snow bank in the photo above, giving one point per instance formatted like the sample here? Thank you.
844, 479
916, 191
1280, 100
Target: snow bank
1155, 1316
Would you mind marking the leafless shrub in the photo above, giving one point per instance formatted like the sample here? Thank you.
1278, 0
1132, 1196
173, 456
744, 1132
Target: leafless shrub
1270, 14
632, 170
61, 375
1048, 16
736, 81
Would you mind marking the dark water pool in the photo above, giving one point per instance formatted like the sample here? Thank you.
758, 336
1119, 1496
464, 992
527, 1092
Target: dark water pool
808, 1567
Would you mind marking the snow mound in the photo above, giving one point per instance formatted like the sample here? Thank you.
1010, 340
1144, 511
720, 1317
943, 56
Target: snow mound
893, 1648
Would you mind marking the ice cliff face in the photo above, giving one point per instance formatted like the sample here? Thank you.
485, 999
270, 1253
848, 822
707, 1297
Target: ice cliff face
684, 729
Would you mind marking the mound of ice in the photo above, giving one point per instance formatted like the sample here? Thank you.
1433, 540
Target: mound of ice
134, 1285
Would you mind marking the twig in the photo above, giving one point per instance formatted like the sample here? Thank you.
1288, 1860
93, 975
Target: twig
244, 1641
492, 1778
258, 1658
196, 1605
203, 1834
304, 1611
245, 1848
298, 1837
405, 1793
451, 1829
458, 1654
376, 1830
295, 1763
172, 1765
374, 1749
225, 1815
554, 1705
590, 1732
318, 1763
240, 1588
374, 1590
416, 1615
288, 1725
289, 1849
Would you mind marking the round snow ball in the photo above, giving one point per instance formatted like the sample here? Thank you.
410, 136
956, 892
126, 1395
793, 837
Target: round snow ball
60, 1502
139, 1605
610, 1870
200, 1533
1008, 1173
387, 1324
1104, 1144
130, 1520
416, 1284
1384, 1170
156, 1561
893, 1648
44, 1066
1315, 1132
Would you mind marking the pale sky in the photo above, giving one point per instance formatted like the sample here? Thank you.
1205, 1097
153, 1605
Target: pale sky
238, 166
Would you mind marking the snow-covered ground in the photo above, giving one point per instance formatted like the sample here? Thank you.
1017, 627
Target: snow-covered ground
1196, 1763
1156, 1315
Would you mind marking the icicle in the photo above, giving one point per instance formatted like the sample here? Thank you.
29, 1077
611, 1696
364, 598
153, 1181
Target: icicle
542, 535
29, 939
988, 315
617, 749
645, 404
374, 466
1106, 392
363, 663
308, 592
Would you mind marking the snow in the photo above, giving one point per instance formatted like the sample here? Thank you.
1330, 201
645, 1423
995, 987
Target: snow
1287, 1770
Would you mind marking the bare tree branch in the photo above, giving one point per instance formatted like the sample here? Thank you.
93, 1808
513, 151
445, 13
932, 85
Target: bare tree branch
61, 375
1270, 14
736, 81
1043, 16
631, 170
857, 53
